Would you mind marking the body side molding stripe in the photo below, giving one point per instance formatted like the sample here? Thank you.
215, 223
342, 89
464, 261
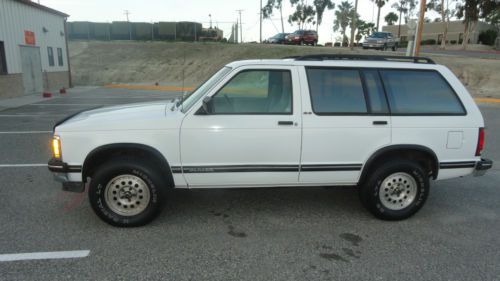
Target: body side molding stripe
457, 165
266, 168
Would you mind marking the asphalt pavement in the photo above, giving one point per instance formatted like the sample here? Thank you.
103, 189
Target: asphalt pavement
312, 233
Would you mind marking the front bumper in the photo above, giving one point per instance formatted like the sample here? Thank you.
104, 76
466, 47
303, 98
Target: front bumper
482, 166
368, 45
60, 171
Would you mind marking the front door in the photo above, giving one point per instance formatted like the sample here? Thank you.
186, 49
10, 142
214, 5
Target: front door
249, 133
32, 69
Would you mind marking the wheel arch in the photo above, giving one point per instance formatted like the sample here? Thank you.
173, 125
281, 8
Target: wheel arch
101, 154
402, 151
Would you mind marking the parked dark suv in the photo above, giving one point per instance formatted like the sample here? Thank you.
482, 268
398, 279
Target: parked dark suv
277, 39
302, 37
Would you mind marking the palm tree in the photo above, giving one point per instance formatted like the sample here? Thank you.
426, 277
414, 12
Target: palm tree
391, 18
267, 11
343, 16
321, 6
380, 4
400, 6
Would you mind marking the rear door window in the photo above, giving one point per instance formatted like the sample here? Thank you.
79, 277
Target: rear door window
336, 91
420, 92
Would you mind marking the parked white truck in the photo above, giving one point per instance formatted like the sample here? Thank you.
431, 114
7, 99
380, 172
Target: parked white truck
386, 125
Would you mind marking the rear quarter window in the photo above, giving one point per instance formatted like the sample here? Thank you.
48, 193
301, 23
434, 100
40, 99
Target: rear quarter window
420, 92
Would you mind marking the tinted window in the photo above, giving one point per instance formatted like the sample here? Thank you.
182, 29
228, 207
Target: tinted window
3, 59
51, 56
375, 92
335, 91
419, 92
255, 92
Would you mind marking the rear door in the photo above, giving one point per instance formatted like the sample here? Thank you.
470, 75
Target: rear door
251, 135
345, 120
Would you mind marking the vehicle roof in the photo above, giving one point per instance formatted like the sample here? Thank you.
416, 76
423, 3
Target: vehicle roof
333, 63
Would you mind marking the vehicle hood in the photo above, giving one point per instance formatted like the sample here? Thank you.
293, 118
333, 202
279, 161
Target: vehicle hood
136, 116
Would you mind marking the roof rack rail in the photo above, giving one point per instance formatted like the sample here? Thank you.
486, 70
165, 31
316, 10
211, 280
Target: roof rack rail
320, 57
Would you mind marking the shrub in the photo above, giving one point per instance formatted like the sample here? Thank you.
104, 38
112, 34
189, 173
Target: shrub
453, 42
488, 37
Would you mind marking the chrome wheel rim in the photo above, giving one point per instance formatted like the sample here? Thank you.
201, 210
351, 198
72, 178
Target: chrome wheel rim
127, 195
398, 191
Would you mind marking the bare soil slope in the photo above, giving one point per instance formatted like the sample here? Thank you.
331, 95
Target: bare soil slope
99, 63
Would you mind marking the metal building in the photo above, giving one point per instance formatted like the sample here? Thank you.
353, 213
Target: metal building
33, 49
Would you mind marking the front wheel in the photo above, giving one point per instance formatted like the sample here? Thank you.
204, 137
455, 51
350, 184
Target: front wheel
395, 190
126, 192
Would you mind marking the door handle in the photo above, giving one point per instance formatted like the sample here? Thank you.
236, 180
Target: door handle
285, 123
379, 122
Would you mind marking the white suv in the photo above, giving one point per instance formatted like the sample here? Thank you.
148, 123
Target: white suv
386, 125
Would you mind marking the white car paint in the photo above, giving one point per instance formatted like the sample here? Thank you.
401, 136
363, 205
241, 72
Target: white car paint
189, 140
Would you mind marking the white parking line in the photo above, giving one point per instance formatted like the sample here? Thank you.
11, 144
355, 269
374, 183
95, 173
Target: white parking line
26, 132
21, 165
45, 255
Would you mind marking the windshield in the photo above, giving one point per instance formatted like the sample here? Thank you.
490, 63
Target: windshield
378, 35
201, 90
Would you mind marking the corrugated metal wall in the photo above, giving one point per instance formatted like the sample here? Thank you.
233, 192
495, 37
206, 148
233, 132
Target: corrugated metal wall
15, 18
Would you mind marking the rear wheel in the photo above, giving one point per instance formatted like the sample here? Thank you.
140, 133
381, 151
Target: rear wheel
126, 192
396, 190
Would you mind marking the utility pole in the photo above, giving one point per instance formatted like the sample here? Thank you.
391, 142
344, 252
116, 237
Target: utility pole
260, 15
241, 26
127, 12
353, 25
420, 27
210, 16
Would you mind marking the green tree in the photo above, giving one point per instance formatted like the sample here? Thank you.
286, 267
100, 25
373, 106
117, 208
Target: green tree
321, 6
494, 18
400, 6
444, 8
380, 4
471, 11
391, 18
267, 11
343, 17
364, 29
304, 13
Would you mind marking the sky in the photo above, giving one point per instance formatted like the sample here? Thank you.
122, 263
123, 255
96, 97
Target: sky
223, 14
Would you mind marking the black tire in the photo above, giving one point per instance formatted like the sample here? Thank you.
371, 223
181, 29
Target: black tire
394, 48
371, 189
138, 168
384, 48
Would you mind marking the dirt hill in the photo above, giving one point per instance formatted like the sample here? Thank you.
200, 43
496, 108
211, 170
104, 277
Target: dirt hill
99, 63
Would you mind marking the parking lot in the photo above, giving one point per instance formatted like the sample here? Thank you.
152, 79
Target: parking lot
312, 233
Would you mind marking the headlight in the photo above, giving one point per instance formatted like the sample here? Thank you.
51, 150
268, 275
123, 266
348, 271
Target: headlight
56, 147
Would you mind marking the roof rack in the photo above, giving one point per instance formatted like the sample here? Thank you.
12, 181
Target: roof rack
321, 57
